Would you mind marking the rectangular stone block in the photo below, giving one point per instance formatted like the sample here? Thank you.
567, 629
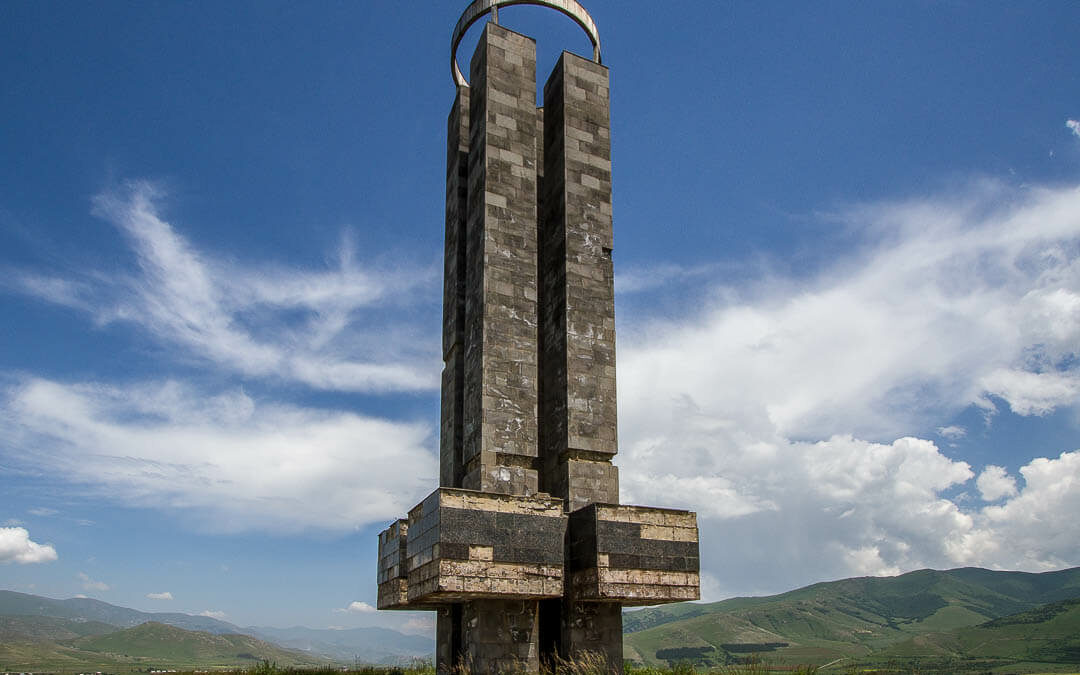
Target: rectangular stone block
466, 545
392, 571
635, 555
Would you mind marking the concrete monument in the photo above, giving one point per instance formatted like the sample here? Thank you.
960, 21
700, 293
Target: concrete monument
524, 551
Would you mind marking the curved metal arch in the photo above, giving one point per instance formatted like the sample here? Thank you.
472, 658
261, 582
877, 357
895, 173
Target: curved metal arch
479, 8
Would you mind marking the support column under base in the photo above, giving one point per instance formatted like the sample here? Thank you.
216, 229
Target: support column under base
593, 630
488, 637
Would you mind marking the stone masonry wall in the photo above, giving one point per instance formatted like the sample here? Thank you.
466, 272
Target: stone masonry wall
577, 318
464, 545
500, 406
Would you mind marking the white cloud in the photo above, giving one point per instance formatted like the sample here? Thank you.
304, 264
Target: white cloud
244, 319
1038, 529
995, 483
952, 432
91, 584
225, 460
786, 406
357, 607
1073, 126
213, 614
81, 596
16, 546
1029, 393
42, 512
160, 596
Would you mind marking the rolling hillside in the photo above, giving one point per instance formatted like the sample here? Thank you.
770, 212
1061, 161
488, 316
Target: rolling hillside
1047, 634
31, 618
43, 643
840, 619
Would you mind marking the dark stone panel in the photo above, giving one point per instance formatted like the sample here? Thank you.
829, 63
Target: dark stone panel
624, 561
510, 553
453, 551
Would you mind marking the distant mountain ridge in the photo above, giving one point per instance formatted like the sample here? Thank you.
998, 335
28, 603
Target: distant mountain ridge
850, 618
88, 609
367, 645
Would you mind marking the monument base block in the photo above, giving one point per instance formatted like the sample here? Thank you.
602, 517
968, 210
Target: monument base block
633, 555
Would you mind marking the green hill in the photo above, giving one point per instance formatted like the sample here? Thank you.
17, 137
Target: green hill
28, 646
47, 628
1047, 634
852, 618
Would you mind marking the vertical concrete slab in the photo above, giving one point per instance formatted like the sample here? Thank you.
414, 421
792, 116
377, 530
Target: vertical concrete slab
578, 418
500, 360
453, 378
577, 324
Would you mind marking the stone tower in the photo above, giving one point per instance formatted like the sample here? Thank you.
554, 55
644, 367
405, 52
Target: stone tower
524, 551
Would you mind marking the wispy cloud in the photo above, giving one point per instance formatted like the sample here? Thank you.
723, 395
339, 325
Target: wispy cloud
42, 511
952, 432
1074, 126
17, 547
160, 596
419, 624
640, 279
789, 406
357, 607
213, 614
321, 327
225, 460
89, 584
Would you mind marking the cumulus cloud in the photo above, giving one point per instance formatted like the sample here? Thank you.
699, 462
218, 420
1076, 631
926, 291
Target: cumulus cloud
228, 461
213, 614
786, 406
89, 584
1037, 529
1073, 126
357, 607
160, 596
17, 547
318, 327
995, 483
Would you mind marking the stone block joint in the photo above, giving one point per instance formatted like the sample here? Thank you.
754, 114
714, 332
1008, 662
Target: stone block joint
524, 551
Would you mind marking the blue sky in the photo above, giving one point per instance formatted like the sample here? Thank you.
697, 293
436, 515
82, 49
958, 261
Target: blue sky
847, 272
